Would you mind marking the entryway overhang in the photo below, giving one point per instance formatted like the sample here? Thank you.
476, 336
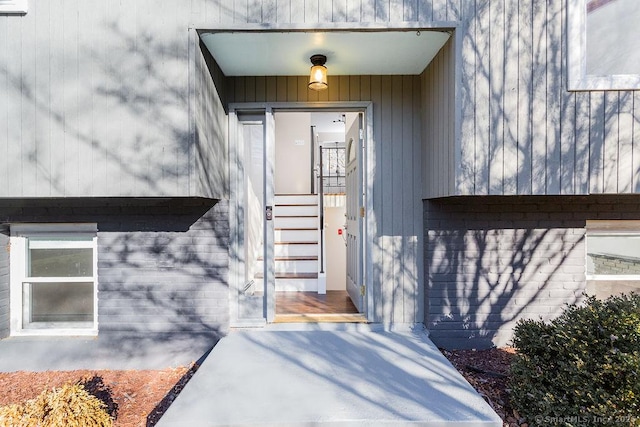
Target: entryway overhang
349, 52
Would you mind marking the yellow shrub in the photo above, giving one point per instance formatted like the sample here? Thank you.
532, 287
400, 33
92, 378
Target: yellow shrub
69, 405
13, 415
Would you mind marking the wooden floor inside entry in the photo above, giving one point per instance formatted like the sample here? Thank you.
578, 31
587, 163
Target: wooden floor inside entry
333, 302
334, 306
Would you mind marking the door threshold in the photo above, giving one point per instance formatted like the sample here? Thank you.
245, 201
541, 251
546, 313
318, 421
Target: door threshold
320, 318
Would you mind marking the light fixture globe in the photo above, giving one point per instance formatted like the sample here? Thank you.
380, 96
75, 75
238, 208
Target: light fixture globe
318, 75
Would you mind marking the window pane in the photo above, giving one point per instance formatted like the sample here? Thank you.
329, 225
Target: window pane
58, 302
603, 289
612, 37
61, 262
613, 255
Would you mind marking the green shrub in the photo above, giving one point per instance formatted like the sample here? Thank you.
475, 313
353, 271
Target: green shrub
69, 405
581, 369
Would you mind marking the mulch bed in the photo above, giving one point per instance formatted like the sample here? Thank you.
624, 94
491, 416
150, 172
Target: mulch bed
488, 372
137, 398
140, 398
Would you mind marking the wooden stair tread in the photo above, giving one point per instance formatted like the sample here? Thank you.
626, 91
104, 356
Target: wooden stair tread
290, 275
296, 243
319, 318
295, 229
293, 258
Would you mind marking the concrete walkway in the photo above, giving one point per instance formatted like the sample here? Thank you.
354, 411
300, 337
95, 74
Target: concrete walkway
355, 376
107, 351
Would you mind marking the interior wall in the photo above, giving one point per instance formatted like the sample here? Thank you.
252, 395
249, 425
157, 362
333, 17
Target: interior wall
293, 153
330, 137
336, 249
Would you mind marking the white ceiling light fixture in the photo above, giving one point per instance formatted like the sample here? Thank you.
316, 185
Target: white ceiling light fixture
318, 76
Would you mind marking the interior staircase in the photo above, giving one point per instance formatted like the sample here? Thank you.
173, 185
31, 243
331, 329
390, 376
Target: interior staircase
296, 245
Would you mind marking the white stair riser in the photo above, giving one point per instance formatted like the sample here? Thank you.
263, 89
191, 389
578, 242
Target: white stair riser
296, 266
295, 210
296, 250
300, 285
296, 235
296, 199
291, 266
295, 222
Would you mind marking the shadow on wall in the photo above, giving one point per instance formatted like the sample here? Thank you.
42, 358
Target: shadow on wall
162, 263
524, 132
167, 282
492, 261
111, 120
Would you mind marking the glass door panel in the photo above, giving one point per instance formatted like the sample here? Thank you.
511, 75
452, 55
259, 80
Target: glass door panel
251, 211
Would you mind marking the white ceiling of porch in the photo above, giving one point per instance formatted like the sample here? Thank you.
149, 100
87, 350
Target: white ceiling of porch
348, 53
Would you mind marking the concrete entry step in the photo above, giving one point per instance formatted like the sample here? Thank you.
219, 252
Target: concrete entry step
354, 376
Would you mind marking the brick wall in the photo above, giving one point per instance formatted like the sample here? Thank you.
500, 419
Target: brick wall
490, 261
162, 263
4, 283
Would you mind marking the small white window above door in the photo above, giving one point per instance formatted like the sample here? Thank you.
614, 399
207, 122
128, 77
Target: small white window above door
13, 6
602, 44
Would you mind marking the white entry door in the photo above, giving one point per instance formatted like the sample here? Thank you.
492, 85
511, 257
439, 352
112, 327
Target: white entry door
354, 213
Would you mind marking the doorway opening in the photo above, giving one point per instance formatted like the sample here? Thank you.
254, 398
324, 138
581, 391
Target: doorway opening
311, 219
299, 204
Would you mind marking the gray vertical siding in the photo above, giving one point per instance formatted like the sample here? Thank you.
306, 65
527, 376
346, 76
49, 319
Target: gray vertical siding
522, 131
93, 100
439, 103
397, 137
494, 260
211, 160
110, 118
4, 283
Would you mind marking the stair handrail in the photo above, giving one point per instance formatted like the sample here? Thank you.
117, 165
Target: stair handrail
321, 214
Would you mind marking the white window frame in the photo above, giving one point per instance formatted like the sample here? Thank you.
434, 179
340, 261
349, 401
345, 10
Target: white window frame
578, 78
14, 6
61, 236
614, 228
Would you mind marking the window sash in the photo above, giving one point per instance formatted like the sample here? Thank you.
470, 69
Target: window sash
73, 307
13, 6
578, 79
61, 243
47, 236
